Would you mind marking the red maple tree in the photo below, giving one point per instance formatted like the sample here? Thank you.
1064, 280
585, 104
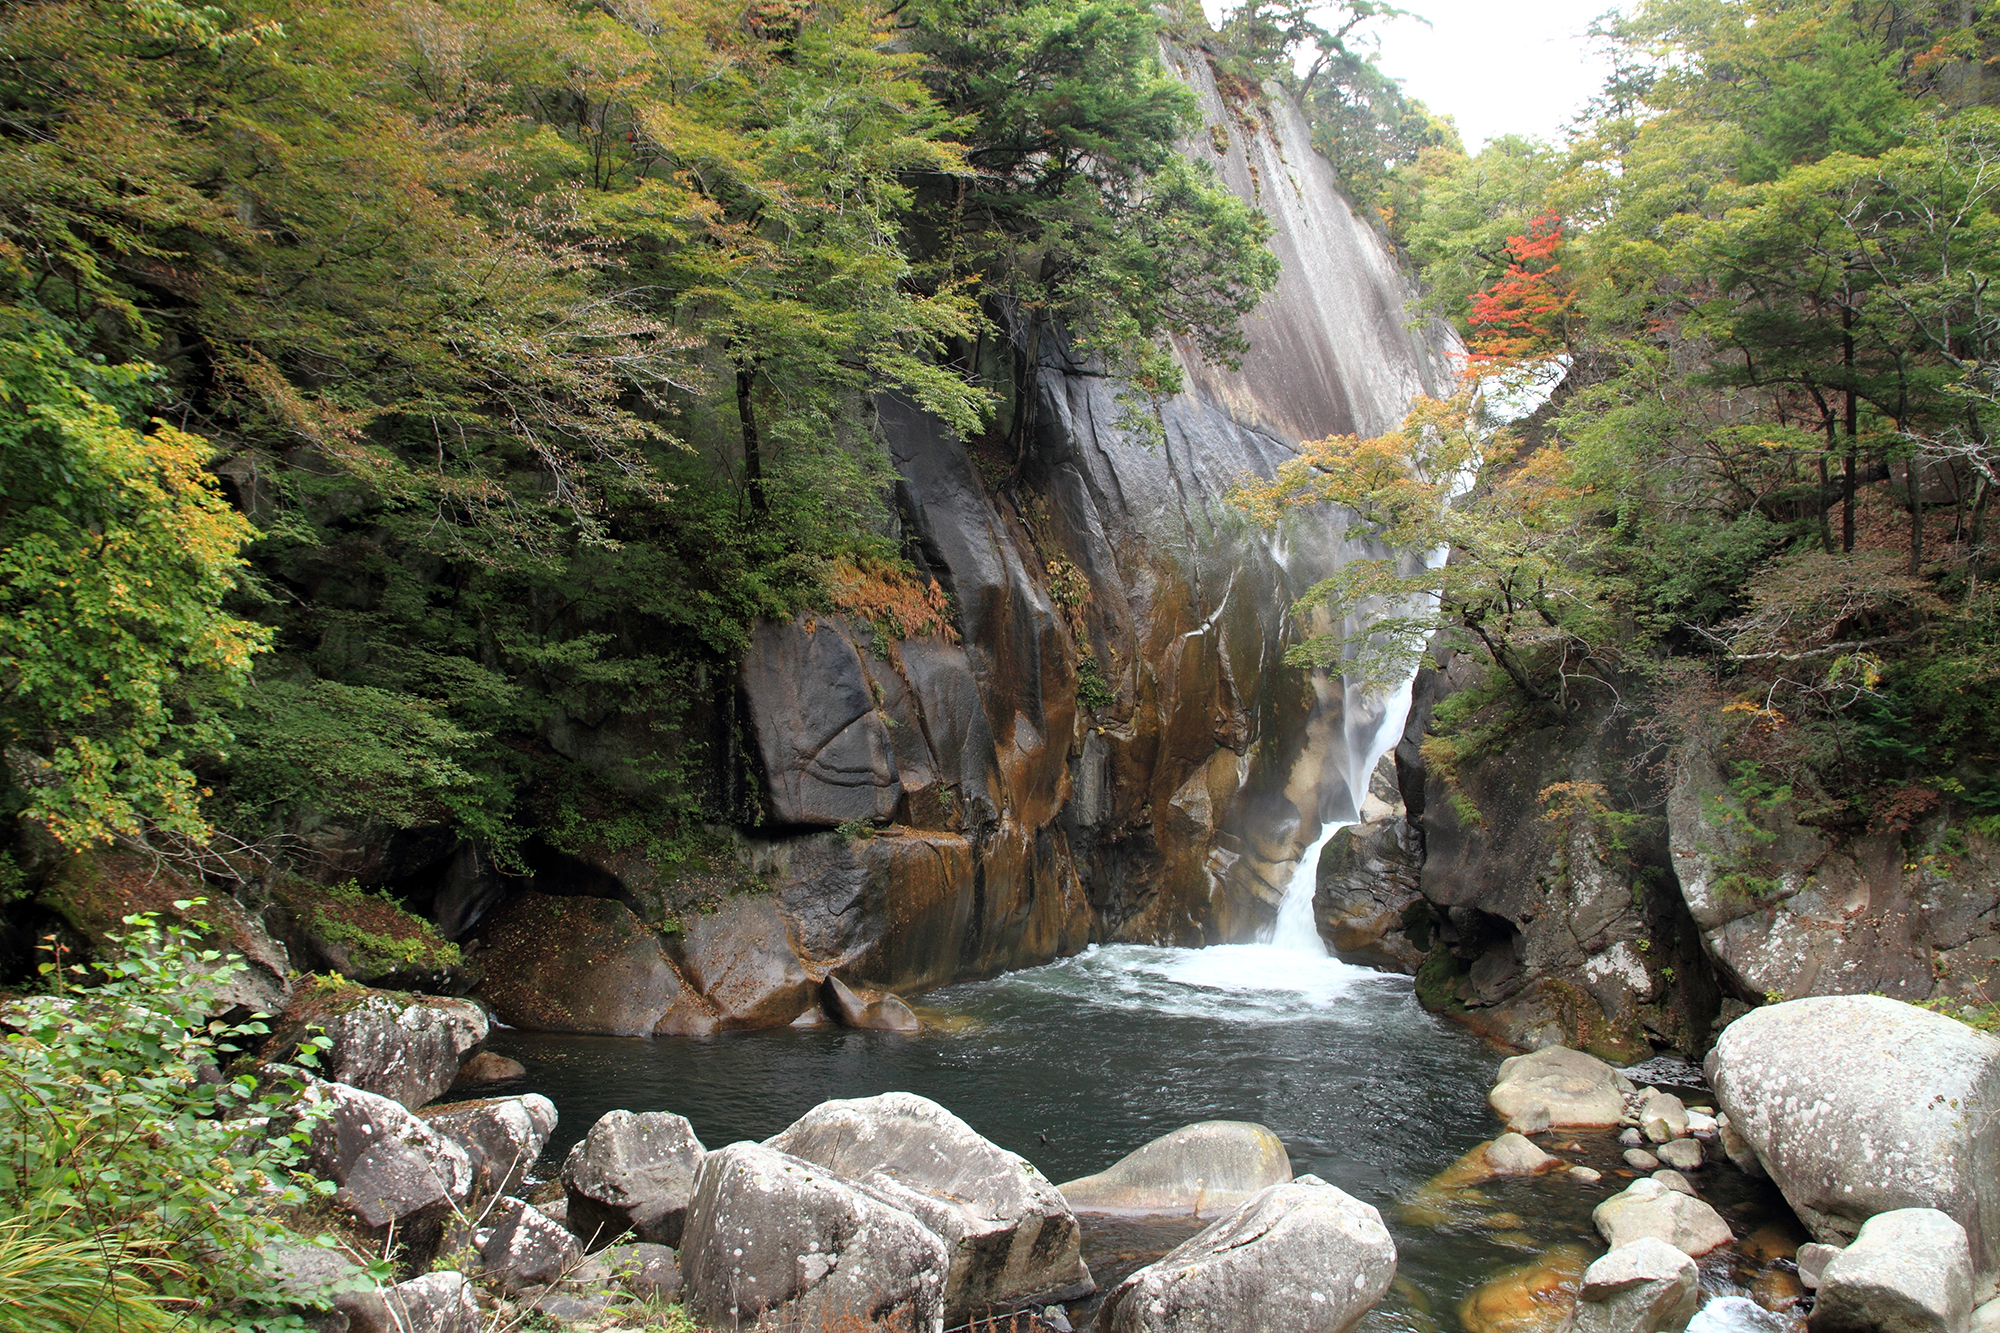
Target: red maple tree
1524, 315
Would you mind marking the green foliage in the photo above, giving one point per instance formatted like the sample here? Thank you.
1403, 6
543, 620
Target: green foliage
378, 935
55, 1283
1093, 691
120, 1132
116, 551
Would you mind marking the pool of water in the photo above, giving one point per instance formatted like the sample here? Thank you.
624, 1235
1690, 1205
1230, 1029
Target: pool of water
1075, 1064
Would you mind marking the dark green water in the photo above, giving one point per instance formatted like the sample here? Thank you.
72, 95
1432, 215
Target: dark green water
1075, 1064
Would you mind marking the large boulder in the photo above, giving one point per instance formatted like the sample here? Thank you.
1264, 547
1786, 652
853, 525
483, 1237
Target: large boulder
1207, 1168
1644, 1286
1301, 1257
390, 1166
576, 964
1014, 1239
1908, 1271
501, 1135
632, 1172
433, 1303
407, 1047
1649, 1208
521, 1246
1859, 1105
776, 1241
743, 961
1558, 1088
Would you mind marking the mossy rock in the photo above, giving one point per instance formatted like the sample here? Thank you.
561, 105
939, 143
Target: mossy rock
371, 938
95, 891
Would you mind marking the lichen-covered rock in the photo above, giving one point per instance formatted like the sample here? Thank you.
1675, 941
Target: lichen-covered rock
1203, 1169
520, 1247
501, 1135
743, 961
775, 1241
1301, 1257
576, 965
1014, 1239
632, 1172
1558, 1087
1859, 1105
1908, 1271
407, 1047
650, 1272
1646, 1286
349, 1122
433, 1303
1648, 1208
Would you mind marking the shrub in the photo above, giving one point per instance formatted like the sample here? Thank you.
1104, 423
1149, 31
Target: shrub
124, 1144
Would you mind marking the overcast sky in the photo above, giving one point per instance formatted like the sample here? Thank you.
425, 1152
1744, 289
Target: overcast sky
1495, 66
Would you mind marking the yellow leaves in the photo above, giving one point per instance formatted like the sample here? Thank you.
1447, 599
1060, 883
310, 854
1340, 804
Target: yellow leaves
890, 595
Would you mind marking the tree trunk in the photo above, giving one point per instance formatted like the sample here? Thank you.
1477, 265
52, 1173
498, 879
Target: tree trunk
1912, 471
753, 453
1847, 475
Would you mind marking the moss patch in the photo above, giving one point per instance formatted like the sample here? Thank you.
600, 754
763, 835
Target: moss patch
365, 934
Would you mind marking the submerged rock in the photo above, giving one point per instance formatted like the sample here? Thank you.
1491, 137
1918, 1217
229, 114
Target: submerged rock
632, 1172
1859, 1105
1908, 1271
1558, 1087
1646, 1286
1536, 1297
1012, 1235
1649, 1208
1301, 1257
773, 1239
1205, 1168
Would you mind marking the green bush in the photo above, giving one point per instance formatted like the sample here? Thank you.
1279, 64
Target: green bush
126, 1149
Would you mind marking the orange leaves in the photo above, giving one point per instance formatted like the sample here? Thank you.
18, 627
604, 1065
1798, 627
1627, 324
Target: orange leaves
1524, 315
890, 596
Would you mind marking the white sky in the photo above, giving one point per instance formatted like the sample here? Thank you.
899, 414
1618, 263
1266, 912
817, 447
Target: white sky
1495, 66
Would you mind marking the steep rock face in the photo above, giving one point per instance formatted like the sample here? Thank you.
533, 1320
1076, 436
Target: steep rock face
1087, 545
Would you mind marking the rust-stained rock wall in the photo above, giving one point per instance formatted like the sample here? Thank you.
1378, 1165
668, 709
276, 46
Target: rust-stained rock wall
935, 810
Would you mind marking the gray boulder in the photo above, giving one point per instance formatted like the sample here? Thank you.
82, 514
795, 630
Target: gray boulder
1646, 1286
1641, 1160
1675, 1181
502, 1136
386, 1158
488, 1067
407, 1047
313, 1274
1648, 1208
775, 1241
1558, 1087
1206, 1168
1515, 1155
1301, 1257
632, 1172
1986, 1319
1013, 1237
1908, 1271
1812, 1259
434, 1303
1681, 1154
522, 1246
1662, 1117
650, 1272
1858, 1105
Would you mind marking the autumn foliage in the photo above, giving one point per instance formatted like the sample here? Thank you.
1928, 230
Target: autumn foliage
1524, 315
